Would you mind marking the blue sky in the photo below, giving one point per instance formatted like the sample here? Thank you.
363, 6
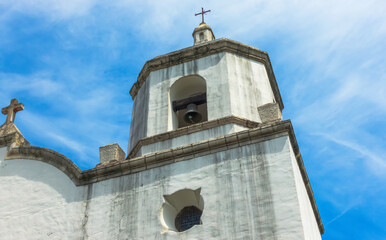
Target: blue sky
72, 63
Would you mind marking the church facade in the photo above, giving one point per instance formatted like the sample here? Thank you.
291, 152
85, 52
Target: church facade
209, 157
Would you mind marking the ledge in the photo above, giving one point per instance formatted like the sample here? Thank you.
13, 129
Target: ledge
306, 180
51, 157
203, 50
261, 133
191, 129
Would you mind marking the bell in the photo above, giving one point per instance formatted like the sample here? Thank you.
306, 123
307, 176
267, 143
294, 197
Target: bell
192, 115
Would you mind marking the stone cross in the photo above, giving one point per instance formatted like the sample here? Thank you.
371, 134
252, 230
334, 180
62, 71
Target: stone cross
202, 13
11, 110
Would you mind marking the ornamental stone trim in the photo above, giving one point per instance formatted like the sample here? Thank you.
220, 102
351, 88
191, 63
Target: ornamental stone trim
203, 50
263, 132
191, 129
49, 156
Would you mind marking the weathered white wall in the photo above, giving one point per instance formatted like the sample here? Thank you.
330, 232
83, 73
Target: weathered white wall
249, 86
38, 201
310, 226
235, 86
140, 111
249, 193
3, 151
152, 110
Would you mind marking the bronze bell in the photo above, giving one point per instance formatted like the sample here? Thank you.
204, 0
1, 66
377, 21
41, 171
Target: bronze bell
192, 115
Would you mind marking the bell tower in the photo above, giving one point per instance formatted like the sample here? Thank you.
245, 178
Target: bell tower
214, 80
212, 112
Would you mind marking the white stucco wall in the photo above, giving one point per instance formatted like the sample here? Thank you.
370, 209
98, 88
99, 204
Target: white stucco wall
38, 201
249, 193
310, 226
151, 109
139, 116
211, 68
249, 86
235, 86
3, 151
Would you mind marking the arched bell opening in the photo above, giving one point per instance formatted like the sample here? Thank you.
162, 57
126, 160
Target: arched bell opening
188, 101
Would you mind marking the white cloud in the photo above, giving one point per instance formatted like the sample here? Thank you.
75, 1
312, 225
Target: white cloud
375, 158
39, 84
59, 9
347, 208
77, 119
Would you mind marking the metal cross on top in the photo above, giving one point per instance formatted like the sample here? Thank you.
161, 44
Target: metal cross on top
202, 13
11, 110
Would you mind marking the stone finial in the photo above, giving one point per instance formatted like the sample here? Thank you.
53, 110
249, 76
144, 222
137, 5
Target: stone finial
11, 110
203, 33
269, 112
111, 152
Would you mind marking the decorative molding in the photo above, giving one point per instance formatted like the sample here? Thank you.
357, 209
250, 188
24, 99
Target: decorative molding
49, 156
191, 129
115, 169
203, 50
306, 180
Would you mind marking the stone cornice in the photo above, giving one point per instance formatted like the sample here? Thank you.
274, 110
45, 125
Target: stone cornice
191, 129
49, 156
203, 50
306, 180
103, 172
10, 136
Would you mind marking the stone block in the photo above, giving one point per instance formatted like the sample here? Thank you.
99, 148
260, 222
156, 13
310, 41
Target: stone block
111, 152
269, 112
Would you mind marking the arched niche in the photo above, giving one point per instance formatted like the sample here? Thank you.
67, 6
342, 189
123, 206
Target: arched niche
201, 36
186, 88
